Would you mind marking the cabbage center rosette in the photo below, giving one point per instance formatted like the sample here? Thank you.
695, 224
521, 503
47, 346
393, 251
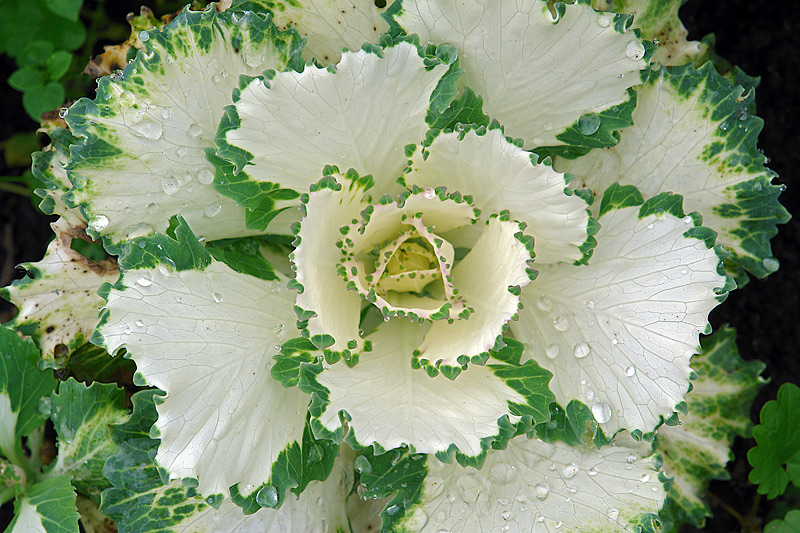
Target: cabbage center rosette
443, 262
396, 255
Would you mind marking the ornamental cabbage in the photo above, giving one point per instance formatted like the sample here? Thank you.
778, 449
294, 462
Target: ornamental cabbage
452, 256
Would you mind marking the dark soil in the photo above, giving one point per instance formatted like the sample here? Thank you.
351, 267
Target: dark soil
764, 41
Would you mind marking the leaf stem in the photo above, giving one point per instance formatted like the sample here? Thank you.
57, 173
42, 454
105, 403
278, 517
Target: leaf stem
15, 189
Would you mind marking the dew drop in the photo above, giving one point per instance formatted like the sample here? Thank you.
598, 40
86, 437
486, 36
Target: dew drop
140, 323
544, 303
589, 123
213, 210
684, 271
561, 323
149, 129
505, 515
145, 279
603, 21
152, 207
170, 184
279, 330
470, 487
589, 304
581, 350
502, 473
613, 514
570, 471
217, 297
635, 50
194, 130
770, 264
601, 412
127, 99
593, 471
166, 113
552, 351
650, 226
645, 478
541, 492
362, 466
267, 496
100, 222
181, 151
144, 36
630, 371
614, 341
179, 299
522, 498
630, 459
128, 330
63, 112
205, 176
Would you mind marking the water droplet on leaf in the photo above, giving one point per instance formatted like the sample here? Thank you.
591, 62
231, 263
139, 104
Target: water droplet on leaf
581, 350
635, 50
570, 471
601, 412
589, 123
267, 496
552, 351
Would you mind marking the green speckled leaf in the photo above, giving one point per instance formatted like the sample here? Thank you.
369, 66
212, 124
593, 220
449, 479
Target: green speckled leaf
550, 77
697, 450
141, 159
693, 135
47, 507
58, 301
141, 502
327, 25
529, 486
658, 21
82, 416
48, 168
22, 384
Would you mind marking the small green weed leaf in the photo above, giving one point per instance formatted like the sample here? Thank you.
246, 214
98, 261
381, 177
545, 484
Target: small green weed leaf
776, 457
26, 78
68, 9
42, 98
789, 524
58, 63
35, 53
